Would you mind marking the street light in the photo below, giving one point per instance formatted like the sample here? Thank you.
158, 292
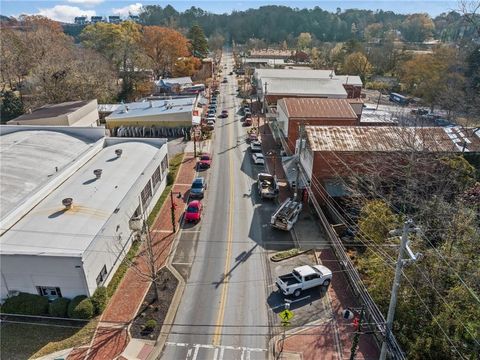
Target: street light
173, 207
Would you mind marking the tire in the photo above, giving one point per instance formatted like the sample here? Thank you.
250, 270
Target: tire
326, 282
297, 293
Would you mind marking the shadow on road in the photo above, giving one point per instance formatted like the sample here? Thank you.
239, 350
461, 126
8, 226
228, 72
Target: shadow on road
276, 300
241, 258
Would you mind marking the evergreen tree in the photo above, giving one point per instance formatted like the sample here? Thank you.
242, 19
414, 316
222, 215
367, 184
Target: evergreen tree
11, 106
198, 42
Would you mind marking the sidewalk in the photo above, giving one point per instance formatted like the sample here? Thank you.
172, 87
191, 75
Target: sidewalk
111, 336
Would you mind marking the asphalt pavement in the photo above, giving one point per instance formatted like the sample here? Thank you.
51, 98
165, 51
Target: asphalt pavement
224, 313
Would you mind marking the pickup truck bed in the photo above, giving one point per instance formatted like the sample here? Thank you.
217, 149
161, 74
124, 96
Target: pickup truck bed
289, 279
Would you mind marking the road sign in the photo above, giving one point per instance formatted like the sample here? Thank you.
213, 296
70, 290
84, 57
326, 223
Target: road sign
286, 315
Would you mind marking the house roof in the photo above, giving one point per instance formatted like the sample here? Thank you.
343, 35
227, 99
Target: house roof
52, 110
33, 156
186, 80
49, 229
153, 108
304, 86
318, 108
392, 138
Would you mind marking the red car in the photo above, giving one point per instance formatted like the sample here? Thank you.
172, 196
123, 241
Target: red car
204, 162
194, 211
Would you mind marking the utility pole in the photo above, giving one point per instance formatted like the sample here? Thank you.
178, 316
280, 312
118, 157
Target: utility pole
300, 146
173, 207
407, 228
265, 100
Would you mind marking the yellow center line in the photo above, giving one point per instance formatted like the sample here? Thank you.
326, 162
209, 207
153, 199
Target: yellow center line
223, 297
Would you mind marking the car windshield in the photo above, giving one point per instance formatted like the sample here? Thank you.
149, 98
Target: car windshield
205, 157
192, 209
197, 185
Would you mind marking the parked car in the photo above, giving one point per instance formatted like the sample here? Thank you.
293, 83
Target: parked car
258, 159
303, 278
419, 111
224, 80
230, 73
197, 190
267, 186
224, 114
205, 161
211, 117
252, 136
211, 113
194, 211
216, 92
256, 146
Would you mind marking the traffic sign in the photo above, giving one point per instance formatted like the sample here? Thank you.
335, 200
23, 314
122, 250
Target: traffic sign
285, 315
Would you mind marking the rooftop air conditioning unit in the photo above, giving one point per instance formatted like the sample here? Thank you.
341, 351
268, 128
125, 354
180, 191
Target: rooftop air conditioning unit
118, 152
135, 224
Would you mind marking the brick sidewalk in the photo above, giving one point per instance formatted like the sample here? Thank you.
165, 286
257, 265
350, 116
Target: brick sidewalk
333, 339
111, 336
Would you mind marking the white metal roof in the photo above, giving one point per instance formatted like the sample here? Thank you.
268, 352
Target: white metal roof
186, 80
296, 73
304, 86
153, 108
28, 159
50, 230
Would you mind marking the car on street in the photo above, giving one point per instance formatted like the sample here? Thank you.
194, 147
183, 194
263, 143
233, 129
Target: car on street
211, 117
216, 92
224, 80
303, 278
419, 111
258, 159
197, 190
256, 146
247, 121
230, 73
211, 112
194, 211
252, 136
224, 114
204, 161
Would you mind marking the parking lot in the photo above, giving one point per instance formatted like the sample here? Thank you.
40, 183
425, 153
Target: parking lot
311, 305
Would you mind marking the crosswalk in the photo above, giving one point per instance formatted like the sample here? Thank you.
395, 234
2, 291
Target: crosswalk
212, 352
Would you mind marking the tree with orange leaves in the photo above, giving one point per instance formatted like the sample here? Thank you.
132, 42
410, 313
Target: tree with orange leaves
163, 47
186, 66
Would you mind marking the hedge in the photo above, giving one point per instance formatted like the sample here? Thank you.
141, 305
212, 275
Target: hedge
26, 304
150, 324
74, 303
84, 310
59, 307
99, 300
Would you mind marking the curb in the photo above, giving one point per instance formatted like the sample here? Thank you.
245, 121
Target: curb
292, 256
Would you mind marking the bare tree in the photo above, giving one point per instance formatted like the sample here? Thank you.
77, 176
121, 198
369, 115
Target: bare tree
471, 13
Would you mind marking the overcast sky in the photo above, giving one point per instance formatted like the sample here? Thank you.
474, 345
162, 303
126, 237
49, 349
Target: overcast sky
66, 10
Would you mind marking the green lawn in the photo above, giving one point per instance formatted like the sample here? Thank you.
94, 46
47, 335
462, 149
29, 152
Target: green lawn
25, 341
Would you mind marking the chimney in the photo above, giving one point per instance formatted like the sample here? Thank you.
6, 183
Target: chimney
118, 152
67, 202
97, 173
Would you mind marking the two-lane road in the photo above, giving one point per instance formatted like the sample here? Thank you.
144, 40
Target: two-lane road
224, 312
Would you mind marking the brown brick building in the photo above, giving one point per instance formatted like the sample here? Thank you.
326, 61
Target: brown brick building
293, 112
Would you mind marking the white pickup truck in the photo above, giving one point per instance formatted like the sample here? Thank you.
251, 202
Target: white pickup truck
303, 278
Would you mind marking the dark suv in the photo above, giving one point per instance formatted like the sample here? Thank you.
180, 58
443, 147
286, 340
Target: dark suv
198, 188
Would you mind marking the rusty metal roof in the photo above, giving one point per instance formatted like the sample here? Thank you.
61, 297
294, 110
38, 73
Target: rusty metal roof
318, 108
392, 138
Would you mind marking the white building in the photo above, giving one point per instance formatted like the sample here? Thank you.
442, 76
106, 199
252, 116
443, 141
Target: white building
72, 113
50, 249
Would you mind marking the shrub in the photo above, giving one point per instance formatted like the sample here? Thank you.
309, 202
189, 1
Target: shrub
84, 310
99, 300
27, 304
74, 303
59, 307
150, 325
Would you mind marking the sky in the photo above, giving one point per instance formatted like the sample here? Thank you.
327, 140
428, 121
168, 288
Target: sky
66, 10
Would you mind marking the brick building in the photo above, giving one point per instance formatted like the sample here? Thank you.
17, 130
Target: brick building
335, 152
293, 112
